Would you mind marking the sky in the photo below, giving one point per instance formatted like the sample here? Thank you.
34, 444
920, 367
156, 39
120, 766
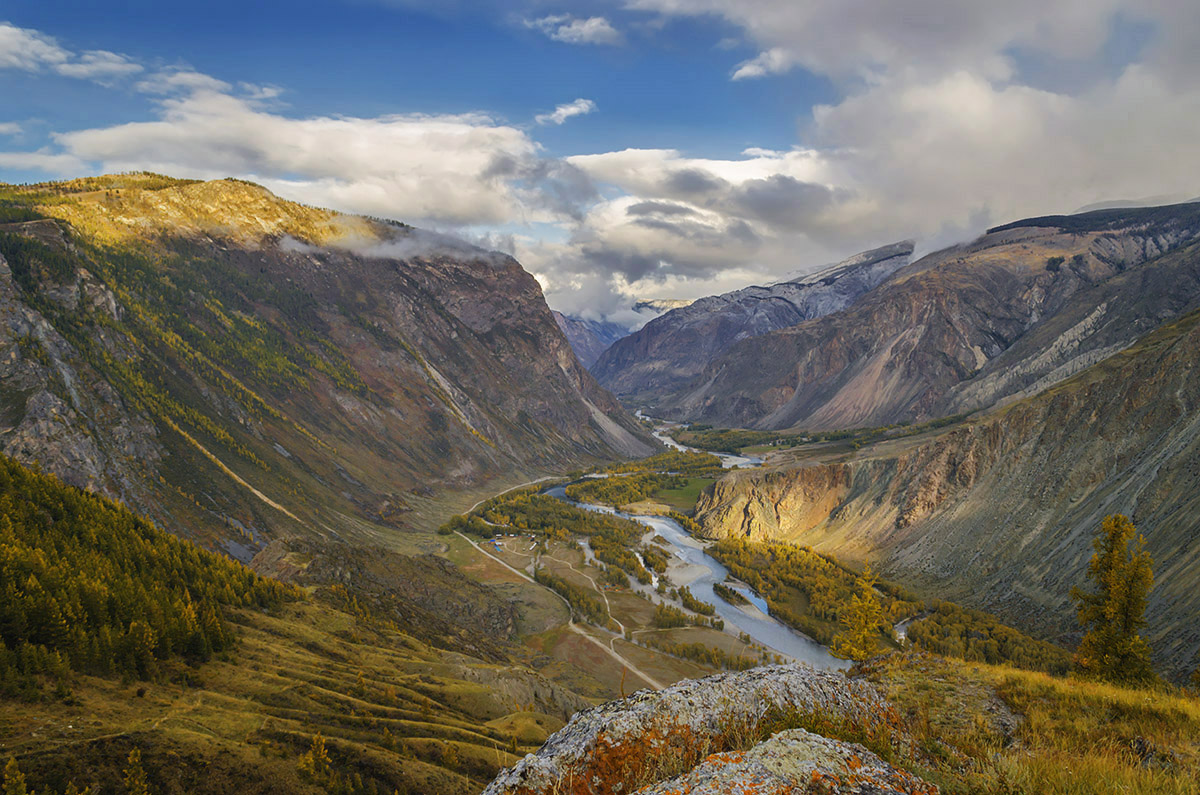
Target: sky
625, 149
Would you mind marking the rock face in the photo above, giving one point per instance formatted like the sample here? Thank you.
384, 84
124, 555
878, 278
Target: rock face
685, 739
999, 511
793, 762
239, 367
674, 348
589, 338
1025, 305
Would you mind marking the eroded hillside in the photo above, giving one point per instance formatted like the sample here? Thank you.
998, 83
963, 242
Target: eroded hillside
999, 511
1027, 304
239, 367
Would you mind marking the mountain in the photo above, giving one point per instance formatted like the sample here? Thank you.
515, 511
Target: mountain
676, 347
116, 636
660, 305
1028, 303
999, 511
589, 338
239, 367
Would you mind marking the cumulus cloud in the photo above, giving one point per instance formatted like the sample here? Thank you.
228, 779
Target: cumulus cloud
445, 169
576, 30
10, 128
579, 107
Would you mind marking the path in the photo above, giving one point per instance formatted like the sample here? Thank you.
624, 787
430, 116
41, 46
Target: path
598, 590
654, 683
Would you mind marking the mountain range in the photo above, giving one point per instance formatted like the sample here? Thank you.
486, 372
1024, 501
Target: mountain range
240, 367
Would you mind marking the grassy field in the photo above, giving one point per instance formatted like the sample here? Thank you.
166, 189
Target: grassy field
995, 729
395, 714
683, 499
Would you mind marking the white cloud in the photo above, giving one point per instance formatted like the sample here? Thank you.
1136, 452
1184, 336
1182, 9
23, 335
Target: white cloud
172, 81
99, 65
10, 128
28, 50
33, 51
576, 30
56, 163
772, 62
446, 170
579, 107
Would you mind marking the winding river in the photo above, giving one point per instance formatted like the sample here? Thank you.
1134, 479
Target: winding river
704, 571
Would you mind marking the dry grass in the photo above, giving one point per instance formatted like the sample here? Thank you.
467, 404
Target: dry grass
992, 729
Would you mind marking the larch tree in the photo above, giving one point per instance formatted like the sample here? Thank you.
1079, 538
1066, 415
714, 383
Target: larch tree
862, 619
1122, 574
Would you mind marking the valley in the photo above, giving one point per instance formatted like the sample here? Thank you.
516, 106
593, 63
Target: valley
474, 543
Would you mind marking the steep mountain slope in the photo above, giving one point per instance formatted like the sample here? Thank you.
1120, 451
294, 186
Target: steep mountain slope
671, 349
589, 338
932, 339
999, 511
240, 367
115, 636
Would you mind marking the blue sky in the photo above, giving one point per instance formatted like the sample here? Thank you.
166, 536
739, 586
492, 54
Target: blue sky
699, 146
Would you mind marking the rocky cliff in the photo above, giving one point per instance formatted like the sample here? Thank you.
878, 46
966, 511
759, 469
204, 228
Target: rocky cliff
1022, 307
589, 338
676, 347
999, 511
714, 735
240, 367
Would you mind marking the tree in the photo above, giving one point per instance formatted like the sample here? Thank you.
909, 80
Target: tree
14, 779
1121, 571
135, 776
862, 619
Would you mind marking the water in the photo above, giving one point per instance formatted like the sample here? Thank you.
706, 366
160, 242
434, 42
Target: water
752, 620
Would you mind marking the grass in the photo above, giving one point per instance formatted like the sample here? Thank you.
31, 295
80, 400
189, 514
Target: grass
388, 706
683, 499
993, 729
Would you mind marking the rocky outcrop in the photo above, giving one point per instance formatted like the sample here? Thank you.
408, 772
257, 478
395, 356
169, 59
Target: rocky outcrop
239, 367
999, 511
589, 338
791, 763
961, 328
704, 734
672, 349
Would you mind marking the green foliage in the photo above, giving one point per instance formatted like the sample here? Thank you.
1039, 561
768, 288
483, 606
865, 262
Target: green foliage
678, 462
1054, 263
33, 262
862, 619
735, 440
694, 604
669, 617
135, 776
802, 588
730, 595
14, 779
617, 491
89, 586
1121, 571
705, 654
583, 601
12, 213
973, 635
612, 538
655, 557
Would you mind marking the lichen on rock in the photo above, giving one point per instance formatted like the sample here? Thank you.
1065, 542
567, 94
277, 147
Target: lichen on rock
695, 727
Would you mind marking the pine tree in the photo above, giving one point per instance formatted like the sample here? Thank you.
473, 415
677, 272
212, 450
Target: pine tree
135, 776
863, 619
14, 779
1122, 573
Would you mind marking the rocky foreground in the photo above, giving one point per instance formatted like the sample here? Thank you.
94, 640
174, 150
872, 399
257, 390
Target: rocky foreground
733, 732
